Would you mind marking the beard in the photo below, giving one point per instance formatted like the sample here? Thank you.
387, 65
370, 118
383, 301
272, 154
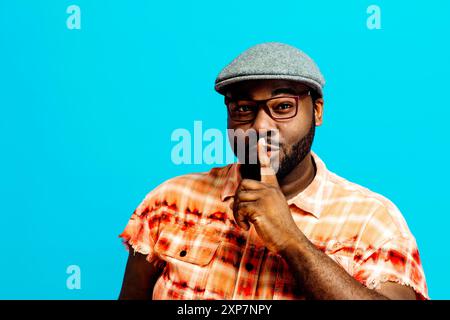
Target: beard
297, 153
292, 156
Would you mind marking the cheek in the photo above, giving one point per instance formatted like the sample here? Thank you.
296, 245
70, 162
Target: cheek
237, 133
238, 129
231, 125
292, 132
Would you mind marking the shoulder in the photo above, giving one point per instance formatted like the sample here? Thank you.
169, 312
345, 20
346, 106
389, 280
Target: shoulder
378, 215
183, 189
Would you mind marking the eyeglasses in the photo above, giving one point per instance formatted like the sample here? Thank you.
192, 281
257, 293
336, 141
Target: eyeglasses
278, 108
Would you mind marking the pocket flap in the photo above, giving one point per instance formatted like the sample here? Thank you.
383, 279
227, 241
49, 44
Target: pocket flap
193, 244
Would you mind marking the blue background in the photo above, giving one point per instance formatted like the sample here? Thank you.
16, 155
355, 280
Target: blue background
87, 116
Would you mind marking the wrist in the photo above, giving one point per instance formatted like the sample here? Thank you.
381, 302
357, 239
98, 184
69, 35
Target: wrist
296, 244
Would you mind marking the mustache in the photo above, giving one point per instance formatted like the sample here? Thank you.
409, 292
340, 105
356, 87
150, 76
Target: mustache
245, 146
272, 139
252, 136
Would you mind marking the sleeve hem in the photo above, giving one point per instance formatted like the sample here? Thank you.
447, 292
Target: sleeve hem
375, 284
138, 247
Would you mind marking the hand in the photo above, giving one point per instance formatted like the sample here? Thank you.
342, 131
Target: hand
263, 204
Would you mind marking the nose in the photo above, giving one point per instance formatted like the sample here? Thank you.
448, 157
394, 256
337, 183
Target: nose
263, 122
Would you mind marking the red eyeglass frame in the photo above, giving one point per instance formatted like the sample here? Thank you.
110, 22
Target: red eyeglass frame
268, 111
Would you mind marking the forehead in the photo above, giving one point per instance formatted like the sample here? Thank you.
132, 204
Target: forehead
261, 89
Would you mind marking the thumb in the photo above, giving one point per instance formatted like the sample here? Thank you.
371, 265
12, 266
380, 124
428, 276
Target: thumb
267, 172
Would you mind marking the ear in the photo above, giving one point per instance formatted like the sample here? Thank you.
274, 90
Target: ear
318, 111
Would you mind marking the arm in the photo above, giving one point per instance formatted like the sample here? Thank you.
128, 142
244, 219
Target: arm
264, 205
323, 278
140, 277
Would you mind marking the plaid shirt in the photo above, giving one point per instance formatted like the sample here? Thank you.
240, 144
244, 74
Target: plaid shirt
187, 221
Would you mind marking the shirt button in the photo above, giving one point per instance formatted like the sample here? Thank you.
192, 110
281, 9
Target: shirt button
336, 246
249, 266
241, 240
183, 253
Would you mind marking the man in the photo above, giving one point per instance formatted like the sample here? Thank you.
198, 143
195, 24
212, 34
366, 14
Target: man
248, 231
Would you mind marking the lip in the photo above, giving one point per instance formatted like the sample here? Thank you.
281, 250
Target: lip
268, 148
272, 148
272, 153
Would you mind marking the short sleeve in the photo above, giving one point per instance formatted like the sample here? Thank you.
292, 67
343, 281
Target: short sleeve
141, 229
396, 260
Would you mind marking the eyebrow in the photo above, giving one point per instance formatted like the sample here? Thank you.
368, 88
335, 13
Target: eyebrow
284, 91
278, 91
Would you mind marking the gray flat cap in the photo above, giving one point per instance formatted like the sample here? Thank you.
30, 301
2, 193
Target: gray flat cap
271, 60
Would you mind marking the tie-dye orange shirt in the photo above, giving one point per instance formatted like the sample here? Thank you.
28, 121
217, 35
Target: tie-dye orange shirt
188, 223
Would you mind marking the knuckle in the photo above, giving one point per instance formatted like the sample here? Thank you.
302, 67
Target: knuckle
241, 206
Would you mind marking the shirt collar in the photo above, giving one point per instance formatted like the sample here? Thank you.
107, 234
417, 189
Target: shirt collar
311, 199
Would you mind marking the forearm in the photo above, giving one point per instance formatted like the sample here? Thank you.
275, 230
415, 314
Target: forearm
321, 277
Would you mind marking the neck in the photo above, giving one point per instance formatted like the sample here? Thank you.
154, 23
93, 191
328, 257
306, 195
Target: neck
299, 178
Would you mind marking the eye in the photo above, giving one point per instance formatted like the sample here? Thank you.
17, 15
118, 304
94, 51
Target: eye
284, 106
244, 108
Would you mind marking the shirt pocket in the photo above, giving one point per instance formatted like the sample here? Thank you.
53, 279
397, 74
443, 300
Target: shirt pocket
188, 253
193, 245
